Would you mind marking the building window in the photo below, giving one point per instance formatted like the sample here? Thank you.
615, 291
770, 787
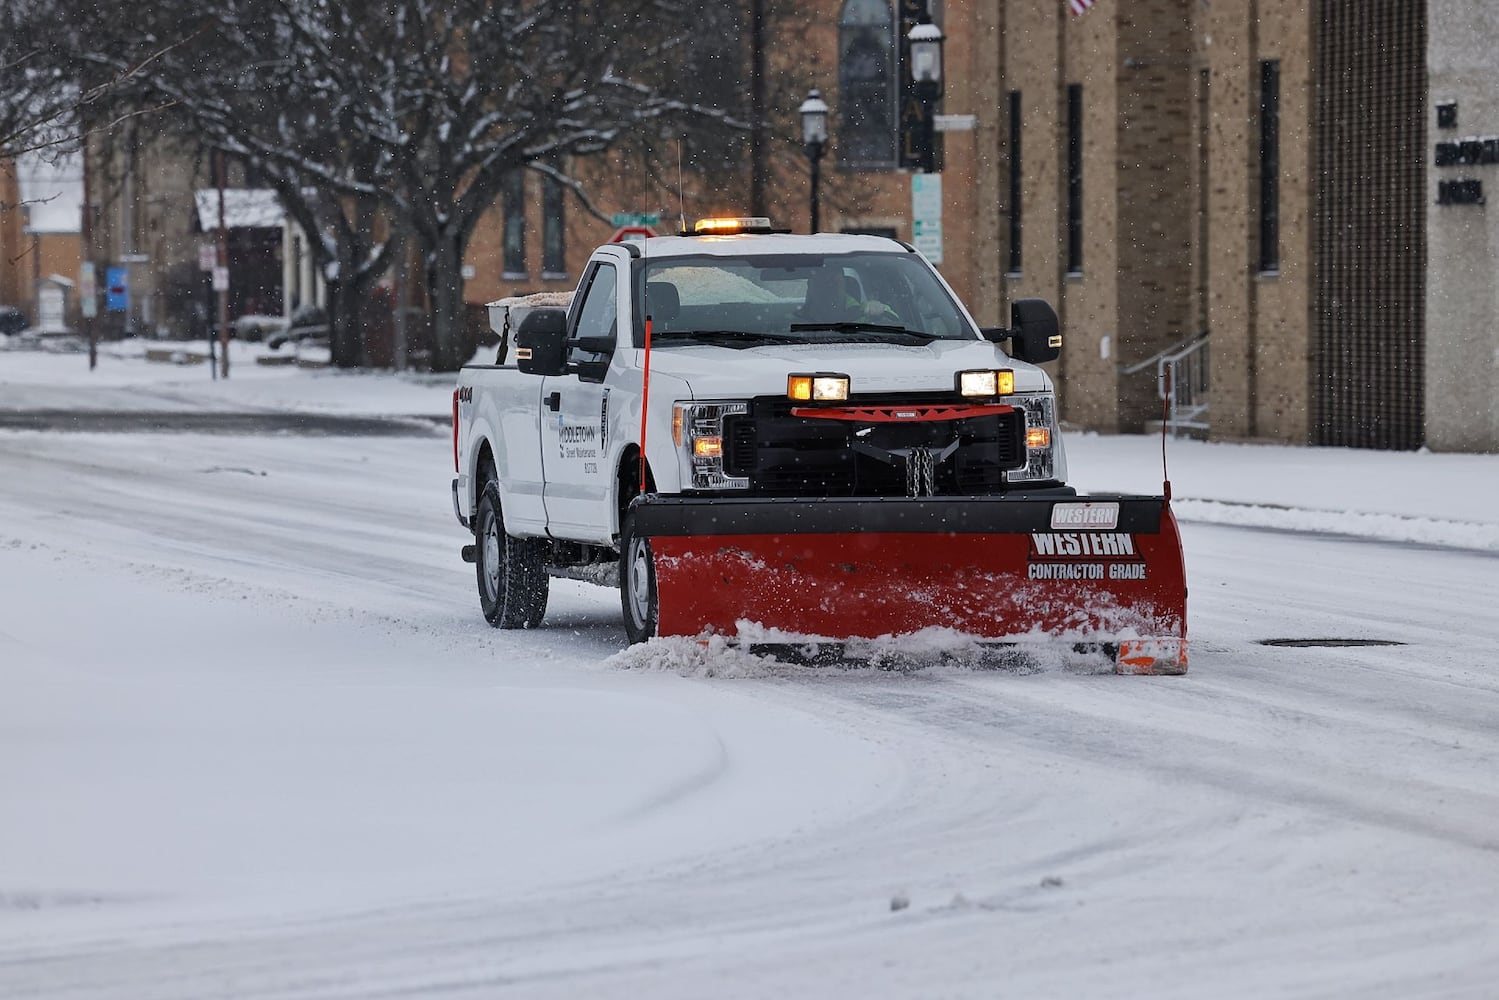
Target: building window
1270, 165
1074, 178
1015, 178
866, 77
513, 194
553, 229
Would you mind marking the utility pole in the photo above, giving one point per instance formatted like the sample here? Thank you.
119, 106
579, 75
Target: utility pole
758, 148
221, 273
88, 296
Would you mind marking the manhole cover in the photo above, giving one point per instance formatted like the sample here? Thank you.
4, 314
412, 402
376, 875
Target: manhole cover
1330, 642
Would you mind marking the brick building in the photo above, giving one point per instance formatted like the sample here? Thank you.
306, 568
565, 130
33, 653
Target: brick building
39, 223
1250, 170
1462, 287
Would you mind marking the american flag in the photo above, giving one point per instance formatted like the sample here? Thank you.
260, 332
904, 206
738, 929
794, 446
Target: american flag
1080, 6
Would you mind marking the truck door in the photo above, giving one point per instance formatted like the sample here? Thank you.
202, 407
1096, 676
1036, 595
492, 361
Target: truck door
574, 422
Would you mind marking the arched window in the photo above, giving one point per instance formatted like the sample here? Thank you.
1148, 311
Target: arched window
866, 76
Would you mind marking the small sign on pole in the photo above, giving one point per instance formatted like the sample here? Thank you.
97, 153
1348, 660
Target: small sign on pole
208, 257
622, 219
221, 279
117, 289
88, 291
954, 123
626, 234
926, 215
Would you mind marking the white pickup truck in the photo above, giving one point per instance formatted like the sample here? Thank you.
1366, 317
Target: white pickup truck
744, 333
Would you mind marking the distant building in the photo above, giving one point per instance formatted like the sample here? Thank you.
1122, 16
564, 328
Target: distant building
40, 199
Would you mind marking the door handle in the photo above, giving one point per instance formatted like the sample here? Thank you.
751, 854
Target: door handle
554, 401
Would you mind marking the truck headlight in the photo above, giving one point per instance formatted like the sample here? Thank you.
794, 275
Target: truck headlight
698, 432
1040, 458
822, 387
999, 382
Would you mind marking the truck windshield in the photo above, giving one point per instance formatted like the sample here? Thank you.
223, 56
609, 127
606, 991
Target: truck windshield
795, 298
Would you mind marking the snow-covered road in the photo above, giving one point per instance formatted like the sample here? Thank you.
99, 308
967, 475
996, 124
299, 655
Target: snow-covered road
256, 741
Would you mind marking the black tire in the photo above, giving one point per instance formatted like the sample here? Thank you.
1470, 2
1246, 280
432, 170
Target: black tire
511, 572
637, 583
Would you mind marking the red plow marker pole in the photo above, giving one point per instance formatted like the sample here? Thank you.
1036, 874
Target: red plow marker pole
645, 398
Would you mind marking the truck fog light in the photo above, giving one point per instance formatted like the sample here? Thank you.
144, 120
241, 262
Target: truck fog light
1038, 437
817, 388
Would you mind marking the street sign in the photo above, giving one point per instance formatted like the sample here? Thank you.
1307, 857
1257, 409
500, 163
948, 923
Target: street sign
926, 215
954, 123
623, 219
626, 234
208, 257
117, 289
88, 290
221, 279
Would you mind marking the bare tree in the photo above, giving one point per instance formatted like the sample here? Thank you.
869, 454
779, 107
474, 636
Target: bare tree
456, 94
411, 111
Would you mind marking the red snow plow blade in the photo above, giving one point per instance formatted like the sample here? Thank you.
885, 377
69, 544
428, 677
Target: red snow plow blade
1103, 572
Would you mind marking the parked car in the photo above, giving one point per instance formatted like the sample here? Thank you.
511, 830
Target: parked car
255, 327
309, 323
12, 320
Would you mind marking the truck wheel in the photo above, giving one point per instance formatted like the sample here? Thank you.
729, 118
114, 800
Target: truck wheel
513, 581
637, 583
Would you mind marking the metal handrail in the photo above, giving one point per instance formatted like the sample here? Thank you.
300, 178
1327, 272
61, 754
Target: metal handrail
1187, 362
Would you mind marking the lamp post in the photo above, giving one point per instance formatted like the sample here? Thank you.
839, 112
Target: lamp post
926, 73
814, 112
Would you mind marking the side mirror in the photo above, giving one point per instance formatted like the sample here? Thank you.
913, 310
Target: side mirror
593, 370
541, 343
1034, 333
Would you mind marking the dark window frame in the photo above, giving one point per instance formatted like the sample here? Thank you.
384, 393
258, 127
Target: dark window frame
1074, 178
1269, 167
553, 229
1016, 255
513, 231
867, 120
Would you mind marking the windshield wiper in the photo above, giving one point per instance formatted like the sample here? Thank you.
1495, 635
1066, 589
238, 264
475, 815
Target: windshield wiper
858, 327
734, 338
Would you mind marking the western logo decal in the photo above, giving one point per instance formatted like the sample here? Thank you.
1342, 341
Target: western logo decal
1085, 555
1087, 545
1098, 516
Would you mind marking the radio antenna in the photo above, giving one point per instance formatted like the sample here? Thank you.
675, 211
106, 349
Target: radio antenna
681, 201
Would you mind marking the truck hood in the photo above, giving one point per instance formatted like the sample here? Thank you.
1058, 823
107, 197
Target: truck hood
726, 373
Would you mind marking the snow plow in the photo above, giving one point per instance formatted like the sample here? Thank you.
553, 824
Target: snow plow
806, 443
1098, 573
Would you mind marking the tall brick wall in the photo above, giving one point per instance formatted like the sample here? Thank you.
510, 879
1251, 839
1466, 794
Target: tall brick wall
1371, 224
1226, 40
1153, 170
1090, 295
1282, 342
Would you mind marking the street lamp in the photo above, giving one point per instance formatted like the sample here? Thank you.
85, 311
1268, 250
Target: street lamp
814, 112
926, 73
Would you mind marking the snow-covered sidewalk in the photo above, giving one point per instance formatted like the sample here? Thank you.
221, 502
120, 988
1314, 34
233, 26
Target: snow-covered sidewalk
1417, 497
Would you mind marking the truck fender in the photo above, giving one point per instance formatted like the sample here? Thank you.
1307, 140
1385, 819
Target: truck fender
626, 484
